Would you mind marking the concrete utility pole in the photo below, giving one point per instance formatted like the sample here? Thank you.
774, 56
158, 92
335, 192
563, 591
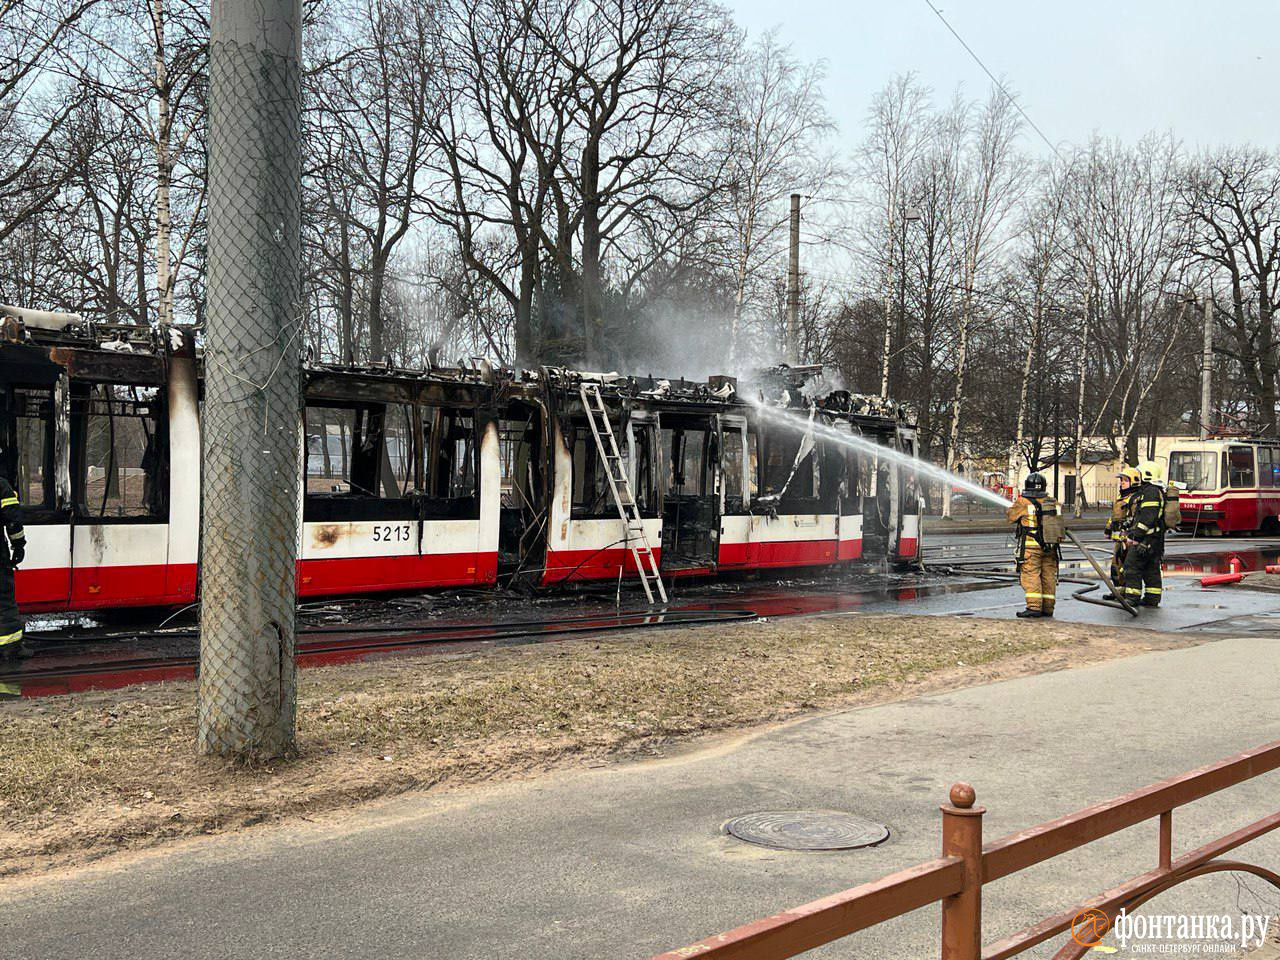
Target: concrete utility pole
252, 411
793, 284
1206, 370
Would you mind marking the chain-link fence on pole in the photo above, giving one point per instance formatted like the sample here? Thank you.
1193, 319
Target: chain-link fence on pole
252, 408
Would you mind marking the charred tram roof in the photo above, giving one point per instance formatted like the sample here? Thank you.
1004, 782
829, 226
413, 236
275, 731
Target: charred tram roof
118, 353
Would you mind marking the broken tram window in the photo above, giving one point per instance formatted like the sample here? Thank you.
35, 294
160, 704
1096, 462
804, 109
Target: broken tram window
118, 440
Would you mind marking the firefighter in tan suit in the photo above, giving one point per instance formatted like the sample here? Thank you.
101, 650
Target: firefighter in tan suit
1037, 549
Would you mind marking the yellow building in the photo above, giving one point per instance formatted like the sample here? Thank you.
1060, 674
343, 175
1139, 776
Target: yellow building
1100, 466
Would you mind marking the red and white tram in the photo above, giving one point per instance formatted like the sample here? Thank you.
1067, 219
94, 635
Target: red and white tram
435, 478
1228, 484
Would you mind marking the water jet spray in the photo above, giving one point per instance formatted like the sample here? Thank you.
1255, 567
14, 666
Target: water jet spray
855, 441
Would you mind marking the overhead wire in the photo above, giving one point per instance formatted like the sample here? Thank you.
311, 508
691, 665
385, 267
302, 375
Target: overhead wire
1000, 86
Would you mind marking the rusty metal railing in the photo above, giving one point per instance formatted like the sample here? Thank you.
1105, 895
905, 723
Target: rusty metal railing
956, 879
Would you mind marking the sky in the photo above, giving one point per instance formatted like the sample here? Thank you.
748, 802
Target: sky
1207, 71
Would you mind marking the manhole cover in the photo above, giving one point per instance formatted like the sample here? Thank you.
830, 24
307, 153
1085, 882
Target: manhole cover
807, 830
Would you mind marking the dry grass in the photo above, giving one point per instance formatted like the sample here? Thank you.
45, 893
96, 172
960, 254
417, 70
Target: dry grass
90, 773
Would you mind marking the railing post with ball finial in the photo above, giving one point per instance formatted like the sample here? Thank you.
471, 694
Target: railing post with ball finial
962, 913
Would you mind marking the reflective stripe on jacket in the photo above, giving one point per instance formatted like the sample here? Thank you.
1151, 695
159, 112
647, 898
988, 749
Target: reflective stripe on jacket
11, 512
1148, 513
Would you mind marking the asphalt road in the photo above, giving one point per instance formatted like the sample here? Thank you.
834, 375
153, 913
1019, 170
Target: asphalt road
623, 861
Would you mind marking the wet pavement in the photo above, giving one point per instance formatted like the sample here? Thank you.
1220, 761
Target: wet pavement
76, 656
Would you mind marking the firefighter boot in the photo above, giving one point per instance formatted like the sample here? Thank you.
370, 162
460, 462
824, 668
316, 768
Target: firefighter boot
1031, 574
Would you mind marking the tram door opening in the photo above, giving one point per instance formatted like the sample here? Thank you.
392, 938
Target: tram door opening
690, 494
877, 489
522, 531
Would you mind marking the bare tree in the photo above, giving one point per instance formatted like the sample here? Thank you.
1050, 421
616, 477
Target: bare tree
1044, 229
776, 129
178, 77
648, 85
993, 179
111, 220
378, 103
898, 133
39, 93
1231, 203
499, 147
148, 65
1123, 249
929, 270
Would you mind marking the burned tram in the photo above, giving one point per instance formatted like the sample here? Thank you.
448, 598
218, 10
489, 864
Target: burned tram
435, 478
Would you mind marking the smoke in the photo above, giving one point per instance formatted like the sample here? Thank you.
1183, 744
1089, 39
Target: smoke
821, 384
687, 336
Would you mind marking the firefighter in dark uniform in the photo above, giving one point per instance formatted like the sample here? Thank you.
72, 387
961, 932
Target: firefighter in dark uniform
13, 549
1145, 540
1037, 555
1117, 527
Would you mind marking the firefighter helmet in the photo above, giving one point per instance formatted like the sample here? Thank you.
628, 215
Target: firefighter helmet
1129, 476
1035, 485
1151, 472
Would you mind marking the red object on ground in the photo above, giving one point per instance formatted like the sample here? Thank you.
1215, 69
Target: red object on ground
1216, 578
1273, 568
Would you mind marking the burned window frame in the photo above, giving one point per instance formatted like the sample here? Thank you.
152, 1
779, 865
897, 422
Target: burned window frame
644, 461
522, 433
364, 474
707, 459
47, 508
446, 505
690, 520
521, 425
587, 475
81, 392
740, 503
423, 499
807, 473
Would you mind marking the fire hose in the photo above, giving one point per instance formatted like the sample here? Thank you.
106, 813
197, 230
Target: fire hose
1102, 575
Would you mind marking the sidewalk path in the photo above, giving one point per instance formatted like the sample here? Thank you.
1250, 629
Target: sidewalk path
623, 861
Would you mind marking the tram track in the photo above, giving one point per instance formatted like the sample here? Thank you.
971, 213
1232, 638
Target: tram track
100, 674
100, 659
72, 658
